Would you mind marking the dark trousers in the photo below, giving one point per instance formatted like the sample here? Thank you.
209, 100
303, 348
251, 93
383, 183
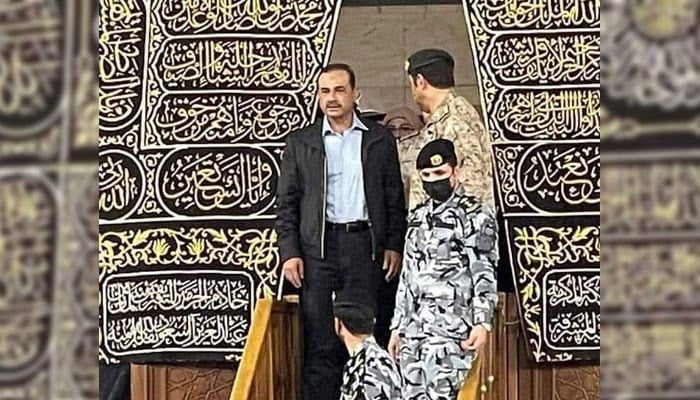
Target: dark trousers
385, 310
348, 270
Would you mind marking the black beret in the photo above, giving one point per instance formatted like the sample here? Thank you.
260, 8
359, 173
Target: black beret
426, 57
436, 153
355, 316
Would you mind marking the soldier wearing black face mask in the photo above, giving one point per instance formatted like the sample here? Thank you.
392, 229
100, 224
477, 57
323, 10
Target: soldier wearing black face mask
439, 190
437, 166
447, 290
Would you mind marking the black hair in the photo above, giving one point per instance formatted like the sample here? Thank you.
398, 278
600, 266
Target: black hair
357, 326
341, 67
357, 318
439, 75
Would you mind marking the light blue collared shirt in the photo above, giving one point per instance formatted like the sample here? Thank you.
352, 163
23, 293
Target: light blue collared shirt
345, 195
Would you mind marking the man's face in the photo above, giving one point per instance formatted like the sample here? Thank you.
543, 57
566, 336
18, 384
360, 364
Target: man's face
418, 86
335, 96
400, 127
439, 173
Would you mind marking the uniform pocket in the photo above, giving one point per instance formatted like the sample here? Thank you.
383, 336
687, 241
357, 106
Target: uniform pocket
447, 250
441, 312
438, 302
440, 292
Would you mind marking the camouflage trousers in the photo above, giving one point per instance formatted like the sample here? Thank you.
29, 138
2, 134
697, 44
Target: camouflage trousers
433, 368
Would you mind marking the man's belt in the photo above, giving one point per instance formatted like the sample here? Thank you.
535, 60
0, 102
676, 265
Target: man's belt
356, 226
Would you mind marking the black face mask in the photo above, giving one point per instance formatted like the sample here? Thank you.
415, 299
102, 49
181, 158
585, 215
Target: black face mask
438, 190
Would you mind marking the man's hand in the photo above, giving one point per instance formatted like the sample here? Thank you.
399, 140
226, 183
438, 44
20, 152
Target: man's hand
392, 264
477, 338
294, 271
394, 344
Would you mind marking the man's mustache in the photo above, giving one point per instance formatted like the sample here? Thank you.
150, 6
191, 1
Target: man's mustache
332, 104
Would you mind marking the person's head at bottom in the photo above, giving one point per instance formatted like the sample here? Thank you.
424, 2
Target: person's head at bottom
354, 322
437, 165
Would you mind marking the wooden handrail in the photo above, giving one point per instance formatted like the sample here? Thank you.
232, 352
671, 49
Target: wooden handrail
253, 351
270, 368
261, 374
472, 384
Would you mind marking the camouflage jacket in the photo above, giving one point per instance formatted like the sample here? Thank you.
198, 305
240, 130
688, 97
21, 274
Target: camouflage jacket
407, 160
448, 281
456, 120
371, 374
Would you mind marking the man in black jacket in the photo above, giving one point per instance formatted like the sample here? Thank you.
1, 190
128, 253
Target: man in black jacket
341, 220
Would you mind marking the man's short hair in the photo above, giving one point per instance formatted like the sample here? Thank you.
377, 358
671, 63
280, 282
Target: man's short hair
435, 65
356, 317
341, 67
437, 75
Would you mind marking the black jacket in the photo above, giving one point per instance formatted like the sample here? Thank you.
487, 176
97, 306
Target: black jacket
301, 189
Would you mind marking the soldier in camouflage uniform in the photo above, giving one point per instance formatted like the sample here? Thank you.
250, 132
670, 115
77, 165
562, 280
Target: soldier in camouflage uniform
370, 373
452, 117
447, 290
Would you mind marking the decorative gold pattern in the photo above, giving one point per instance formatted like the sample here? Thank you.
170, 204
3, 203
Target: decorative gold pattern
48, 200
652, 196
652, 278
650, 225
28, 213
650, 219
647, 61
251, 250
665, 354
197, 98
31, 82
574, 293
538, 67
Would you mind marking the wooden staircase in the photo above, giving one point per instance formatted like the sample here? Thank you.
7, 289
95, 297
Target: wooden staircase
271, 364
272, 360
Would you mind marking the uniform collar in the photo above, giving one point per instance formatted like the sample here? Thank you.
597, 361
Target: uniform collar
444, 108
457, 193
365, 343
